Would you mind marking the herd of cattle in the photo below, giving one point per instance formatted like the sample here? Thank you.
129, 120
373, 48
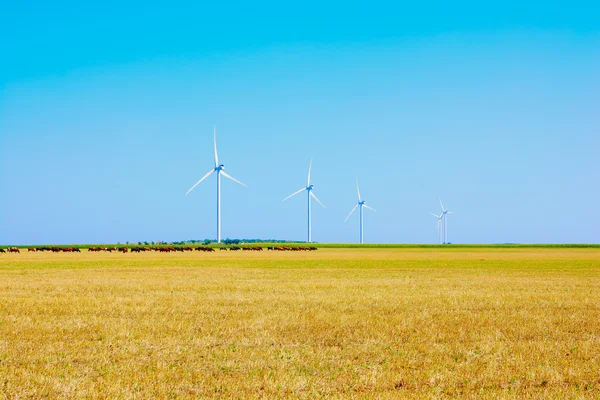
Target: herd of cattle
161, 249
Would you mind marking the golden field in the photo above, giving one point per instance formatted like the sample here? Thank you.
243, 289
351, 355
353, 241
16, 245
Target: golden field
335, 323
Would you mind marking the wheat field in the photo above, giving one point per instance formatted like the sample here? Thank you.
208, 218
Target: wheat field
334, 323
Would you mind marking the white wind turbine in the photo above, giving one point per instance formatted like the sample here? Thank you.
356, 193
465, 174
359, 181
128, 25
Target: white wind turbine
310, 194
439, 224
445, 221
219, 170
361, 204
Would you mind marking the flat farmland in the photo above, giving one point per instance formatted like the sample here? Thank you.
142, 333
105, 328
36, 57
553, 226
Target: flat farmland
337, 322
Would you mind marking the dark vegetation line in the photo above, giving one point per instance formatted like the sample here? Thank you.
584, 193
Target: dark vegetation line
320, 245
457, 246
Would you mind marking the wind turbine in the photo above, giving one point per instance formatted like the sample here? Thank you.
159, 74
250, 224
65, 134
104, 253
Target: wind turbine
219, 170
360, 204
310, 194
439, 224
445, 221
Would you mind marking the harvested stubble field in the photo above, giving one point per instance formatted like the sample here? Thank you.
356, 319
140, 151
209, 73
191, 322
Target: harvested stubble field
342, 323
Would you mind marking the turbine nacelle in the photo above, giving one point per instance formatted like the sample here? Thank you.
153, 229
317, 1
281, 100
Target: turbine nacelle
362, 203
220, 167
310, 187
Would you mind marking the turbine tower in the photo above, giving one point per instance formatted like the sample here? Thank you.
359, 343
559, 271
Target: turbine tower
439, 224
309, 194
219, 169
445, 222
360, 204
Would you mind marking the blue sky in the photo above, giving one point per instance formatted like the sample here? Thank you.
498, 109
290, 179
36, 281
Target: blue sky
106, 116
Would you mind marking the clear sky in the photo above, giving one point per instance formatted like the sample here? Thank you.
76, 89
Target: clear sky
107, 111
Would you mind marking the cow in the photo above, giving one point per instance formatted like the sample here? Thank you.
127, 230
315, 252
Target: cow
282, 248
13, 250
205, 249
2, 251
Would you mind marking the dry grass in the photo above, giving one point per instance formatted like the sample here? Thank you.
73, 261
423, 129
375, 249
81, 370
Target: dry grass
342, 323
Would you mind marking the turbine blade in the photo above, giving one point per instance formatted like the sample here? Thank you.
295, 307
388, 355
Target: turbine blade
226, 175
358, 190
443, 209
450, 212
295, 193
309, 168
437, 216
370, 208
215, 143
201, 179
315, 197
351, 213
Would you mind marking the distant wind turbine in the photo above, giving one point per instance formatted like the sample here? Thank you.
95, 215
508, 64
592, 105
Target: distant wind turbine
360, 205
439, 224
445, 222
310, 194
219, 170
